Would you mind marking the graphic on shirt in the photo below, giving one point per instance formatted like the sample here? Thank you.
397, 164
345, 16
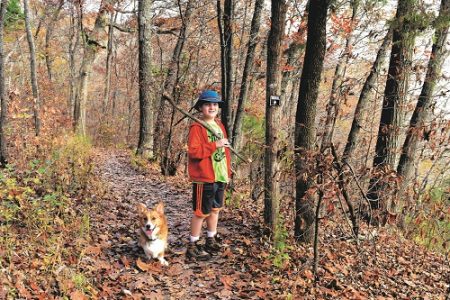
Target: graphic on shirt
218, 157
219, 154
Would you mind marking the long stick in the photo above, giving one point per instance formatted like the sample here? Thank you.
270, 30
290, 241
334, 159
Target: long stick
204, 124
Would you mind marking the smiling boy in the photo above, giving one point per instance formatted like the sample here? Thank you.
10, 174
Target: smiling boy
209, 169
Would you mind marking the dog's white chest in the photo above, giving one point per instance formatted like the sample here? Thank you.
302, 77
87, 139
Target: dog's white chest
154, 248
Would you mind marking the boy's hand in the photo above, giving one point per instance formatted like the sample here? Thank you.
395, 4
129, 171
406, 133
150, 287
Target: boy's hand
222, 143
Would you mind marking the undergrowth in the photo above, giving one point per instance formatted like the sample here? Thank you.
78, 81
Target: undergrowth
430, 225
42, 228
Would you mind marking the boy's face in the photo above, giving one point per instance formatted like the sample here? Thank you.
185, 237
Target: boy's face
209, 110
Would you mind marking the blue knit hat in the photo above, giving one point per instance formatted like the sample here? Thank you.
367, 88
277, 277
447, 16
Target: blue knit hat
208, 96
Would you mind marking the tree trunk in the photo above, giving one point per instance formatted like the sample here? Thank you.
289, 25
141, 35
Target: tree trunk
92, 45
273, 88
363, 101
226, 48
48, 37
306, 114
293, 55
394, 95
164, 123
34, 83
74, 39
109, 57
146, 131
415, 133
3, 97
338, 79
248, 66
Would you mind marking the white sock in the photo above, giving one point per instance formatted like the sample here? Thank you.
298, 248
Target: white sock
211, 233
193, 239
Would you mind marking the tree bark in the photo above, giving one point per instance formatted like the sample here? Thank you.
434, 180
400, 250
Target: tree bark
273, 88
293, 56
226, 48
363, 101
415, 133
338, 79
248, 66
109, 57
92, 45
394, 95
3, 97
146, 131
74, 39
34, 83
48, 37
306, 114
163, 128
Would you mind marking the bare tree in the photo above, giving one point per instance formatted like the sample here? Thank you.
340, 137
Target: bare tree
74, 40
146, 138
417, 124
92, 43
168, 165
48, 37
248, 66
338, 80
273, 88
34, 83
226, 50
364, 97
3, 97
394, 96
306, 114
109, 57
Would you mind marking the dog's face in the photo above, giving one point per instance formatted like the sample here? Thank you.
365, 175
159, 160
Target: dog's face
151, 220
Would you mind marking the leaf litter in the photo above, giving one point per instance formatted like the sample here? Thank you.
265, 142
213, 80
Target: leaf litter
386, 267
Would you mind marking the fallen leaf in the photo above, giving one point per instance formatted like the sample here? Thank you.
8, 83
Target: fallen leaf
34, 286
125, 261
142, 265
308, 274
227, 253
22, 290
227, 281
148, 267
261, 294
175, 269
93, 250
77, 295
224, 294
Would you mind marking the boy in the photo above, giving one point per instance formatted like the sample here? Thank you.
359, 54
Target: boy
209, 168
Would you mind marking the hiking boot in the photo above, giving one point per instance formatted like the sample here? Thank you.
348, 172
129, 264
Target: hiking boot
212, 246
195, 252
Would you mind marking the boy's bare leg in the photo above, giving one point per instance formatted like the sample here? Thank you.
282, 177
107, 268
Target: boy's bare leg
196, 225
212, 220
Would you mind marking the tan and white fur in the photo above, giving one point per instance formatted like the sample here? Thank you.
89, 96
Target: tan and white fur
153, 231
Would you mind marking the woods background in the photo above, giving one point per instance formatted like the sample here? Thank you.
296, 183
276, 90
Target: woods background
360, 135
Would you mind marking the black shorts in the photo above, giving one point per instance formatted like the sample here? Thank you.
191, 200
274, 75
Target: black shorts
207, 197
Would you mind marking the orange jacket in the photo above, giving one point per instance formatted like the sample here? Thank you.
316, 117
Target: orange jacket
200, 150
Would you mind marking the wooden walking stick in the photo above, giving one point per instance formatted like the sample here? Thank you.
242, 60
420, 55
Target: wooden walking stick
204, 124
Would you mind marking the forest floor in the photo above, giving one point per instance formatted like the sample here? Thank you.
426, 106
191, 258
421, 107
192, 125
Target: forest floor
384, 267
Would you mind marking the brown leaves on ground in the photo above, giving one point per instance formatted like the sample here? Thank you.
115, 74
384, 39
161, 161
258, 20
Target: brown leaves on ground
113, 266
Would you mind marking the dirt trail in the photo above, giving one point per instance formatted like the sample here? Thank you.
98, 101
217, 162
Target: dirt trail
388, 268
114, 259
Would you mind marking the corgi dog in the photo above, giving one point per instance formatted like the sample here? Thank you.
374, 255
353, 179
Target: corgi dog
153, 231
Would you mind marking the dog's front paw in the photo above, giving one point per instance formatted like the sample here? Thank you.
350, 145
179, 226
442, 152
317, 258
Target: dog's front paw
163, 261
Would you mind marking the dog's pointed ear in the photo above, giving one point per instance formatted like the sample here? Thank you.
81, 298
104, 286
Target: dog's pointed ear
141, 208
160, 207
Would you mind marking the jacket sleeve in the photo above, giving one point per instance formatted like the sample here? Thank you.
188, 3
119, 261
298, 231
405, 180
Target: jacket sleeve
198, 146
